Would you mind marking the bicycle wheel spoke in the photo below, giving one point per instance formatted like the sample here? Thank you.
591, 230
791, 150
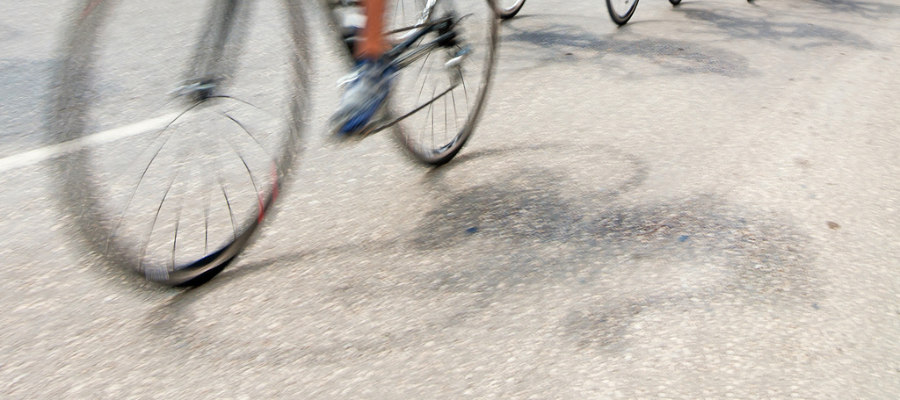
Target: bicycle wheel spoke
155, 219
244, 128
421, 68
206, 225
445, 113
431, 111
230, 211
455, 114
462, 80
138, 185
175, 234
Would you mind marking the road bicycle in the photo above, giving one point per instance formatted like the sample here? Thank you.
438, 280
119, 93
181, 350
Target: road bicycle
620, 11
183, 119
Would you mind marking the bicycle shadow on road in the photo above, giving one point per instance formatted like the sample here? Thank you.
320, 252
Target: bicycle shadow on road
547, 40
867, 9
550, 230
550, 44
794, 35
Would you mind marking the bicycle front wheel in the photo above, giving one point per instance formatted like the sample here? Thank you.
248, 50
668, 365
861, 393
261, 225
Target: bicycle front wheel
178, 149
621, 10
507, 9
437, 98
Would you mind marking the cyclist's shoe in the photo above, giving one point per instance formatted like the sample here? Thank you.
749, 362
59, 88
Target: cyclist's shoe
366, 93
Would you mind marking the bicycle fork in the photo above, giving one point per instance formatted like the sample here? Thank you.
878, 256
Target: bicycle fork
208, 68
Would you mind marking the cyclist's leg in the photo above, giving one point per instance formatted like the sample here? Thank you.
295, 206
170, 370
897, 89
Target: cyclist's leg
373, 44
368, 89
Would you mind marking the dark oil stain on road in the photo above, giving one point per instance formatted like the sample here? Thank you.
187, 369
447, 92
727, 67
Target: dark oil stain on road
541, 239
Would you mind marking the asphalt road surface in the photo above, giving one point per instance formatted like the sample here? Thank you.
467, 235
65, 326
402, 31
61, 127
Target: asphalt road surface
701, 204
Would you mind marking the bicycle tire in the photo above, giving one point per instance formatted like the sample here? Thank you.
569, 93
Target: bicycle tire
621, 13
675, 2
411, 104
507, 12
193, 147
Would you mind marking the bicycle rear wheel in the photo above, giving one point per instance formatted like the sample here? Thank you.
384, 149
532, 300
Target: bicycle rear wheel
507, 9
439, 97
179, 150
621, 10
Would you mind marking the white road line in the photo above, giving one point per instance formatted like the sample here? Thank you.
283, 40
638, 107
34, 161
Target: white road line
111, 135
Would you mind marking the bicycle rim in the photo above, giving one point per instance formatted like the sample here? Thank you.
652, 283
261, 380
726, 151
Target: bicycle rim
509, 8
621, 10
